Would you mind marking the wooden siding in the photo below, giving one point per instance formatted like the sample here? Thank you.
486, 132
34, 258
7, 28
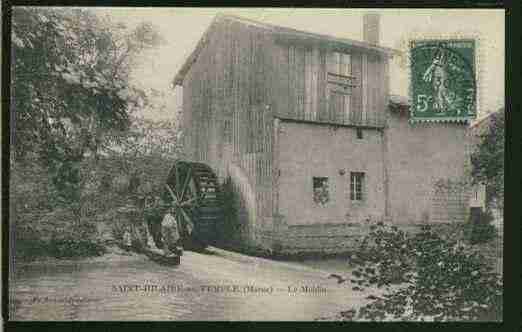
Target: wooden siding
305, 93
242, 78
227, 107
358, 107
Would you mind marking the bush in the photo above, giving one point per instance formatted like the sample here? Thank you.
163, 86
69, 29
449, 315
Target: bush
76, 241
57, 233
73, 246
28, 244
482, 230
383, 258
47, 224
438, 278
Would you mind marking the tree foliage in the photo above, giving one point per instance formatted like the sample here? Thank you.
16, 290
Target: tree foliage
72, 103
70, 85
430, 275
488, 159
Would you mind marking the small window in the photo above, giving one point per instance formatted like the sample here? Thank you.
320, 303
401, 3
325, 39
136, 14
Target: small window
227, 130
321, 193
339, 67
359, 133
356, 186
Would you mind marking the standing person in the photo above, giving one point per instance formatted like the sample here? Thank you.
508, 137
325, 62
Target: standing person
170, 234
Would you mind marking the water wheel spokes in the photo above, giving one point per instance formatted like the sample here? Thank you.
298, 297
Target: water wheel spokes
192, 193
179, 206
185, 185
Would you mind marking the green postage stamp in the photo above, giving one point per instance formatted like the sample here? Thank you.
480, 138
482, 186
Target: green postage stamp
443, 87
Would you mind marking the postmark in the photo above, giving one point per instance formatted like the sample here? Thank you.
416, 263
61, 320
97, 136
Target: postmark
442, 82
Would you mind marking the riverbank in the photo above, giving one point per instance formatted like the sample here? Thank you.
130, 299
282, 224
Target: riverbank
54, 280
214, 285
339, 264
113, 254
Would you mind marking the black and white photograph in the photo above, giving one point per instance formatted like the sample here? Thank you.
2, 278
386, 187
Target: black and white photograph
256, 164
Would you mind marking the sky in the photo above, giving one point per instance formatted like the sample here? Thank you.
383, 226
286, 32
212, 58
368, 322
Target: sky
181, 29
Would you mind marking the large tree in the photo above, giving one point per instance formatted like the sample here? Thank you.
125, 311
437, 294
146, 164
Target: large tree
488, 159
70, 84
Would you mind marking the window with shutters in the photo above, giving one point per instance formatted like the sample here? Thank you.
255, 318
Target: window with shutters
340, 84
356, 186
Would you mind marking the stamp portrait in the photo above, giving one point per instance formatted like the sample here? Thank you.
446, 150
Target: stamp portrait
443, 80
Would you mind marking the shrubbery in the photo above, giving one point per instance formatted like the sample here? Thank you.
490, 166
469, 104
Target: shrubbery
48, 223
436, 277
482, 228
56, 233
72, 68
487, 159
45, 225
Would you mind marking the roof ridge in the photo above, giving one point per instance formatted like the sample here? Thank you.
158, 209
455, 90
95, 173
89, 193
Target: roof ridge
275, 29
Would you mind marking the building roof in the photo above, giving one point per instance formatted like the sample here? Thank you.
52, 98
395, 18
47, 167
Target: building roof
282, 32
481, 122
399, 103
402, 103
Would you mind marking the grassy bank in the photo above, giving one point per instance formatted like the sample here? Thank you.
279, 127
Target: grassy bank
46, 222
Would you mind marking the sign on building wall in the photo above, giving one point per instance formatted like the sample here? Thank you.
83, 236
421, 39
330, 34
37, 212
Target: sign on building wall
442, 83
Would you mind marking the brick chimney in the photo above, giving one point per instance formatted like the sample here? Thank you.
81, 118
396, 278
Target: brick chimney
371, 28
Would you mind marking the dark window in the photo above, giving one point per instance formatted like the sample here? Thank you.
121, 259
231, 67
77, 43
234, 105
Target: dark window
321, 194
227, 130
359, 133
356, 186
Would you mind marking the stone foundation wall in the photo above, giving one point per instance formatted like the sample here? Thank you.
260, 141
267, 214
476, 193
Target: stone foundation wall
324, 238
333, 238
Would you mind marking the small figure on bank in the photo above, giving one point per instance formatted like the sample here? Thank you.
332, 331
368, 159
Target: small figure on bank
170, 235
127, 239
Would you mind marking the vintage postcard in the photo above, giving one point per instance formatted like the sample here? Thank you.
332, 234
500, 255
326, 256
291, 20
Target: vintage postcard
262, 164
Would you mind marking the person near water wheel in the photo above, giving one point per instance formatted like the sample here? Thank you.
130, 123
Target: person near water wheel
193, 190
170, 235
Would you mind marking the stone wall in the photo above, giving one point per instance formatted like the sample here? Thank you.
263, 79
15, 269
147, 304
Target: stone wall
420, 157
331, 238
323, 238
414, 174
308, 150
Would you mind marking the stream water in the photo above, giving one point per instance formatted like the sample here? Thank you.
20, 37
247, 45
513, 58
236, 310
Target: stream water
216, 286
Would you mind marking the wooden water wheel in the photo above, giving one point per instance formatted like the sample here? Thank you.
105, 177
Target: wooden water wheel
192, 189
